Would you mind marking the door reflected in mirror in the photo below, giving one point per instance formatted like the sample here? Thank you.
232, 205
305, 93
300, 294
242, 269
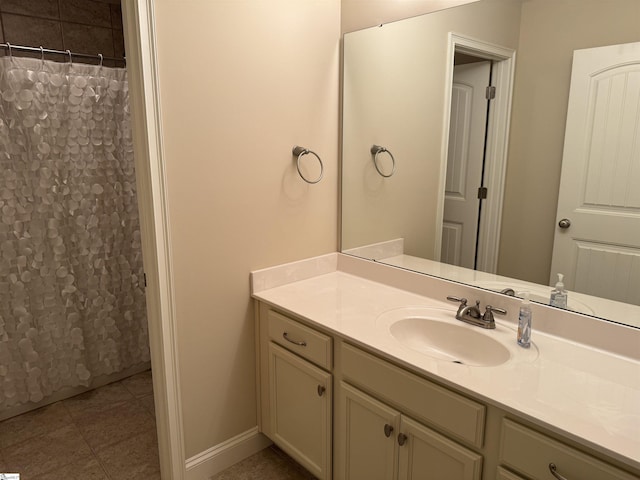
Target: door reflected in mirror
398, 92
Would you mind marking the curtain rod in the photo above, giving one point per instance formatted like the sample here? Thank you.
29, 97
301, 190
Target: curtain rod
42, 51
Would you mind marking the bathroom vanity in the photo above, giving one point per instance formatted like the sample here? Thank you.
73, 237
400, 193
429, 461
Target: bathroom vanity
351, 388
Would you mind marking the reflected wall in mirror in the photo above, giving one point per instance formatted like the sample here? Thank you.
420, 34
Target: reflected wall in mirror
395, 95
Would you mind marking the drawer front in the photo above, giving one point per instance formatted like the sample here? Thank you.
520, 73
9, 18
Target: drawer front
531, 453
453, 414
507, 475
298, 338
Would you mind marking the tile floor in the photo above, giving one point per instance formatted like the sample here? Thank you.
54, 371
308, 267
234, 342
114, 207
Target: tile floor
105, 434
268, 464
108, 434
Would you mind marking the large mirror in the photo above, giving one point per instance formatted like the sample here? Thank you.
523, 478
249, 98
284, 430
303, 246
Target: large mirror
406, 117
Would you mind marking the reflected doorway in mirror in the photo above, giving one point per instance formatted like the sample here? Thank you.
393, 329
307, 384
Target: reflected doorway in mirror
465, 161
481, 246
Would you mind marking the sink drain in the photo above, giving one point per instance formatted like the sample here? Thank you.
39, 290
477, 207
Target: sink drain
458, 361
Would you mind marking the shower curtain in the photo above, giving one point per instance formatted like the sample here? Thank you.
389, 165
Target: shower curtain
72, 301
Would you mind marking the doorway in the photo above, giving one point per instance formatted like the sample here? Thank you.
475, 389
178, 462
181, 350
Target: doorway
468, 227
88, 293
470, 105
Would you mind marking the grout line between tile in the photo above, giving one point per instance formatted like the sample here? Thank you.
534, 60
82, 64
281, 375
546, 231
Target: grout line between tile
94, 454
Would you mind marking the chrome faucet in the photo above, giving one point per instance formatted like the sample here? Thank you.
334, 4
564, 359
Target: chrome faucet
471, 313
508, 291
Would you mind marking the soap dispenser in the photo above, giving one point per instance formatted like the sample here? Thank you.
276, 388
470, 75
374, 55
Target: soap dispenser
524, 322
559, 294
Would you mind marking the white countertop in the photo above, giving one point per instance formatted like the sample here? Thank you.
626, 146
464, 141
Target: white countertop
587, 394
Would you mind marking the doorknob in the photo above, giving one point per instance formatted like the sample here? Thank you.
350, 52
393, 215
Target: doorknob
564, 223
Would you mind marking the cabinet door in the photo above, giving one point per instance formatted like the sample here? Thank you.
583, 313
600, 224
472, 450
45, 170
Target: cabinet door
427, 455
300, 413
365, 437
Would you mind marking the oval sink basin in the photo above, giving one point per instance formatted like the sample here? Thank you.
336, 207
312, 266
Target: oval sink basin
449, 342
436, 333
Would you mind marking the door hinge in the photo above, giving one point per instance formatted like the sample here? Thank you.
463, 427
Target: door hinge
144, 277
482, 193
490, 93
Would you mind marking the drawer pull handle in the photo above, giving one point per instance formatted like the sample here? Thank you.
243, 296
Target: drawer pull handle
321, 390
402, 439
388, 429
552, 469
285, 335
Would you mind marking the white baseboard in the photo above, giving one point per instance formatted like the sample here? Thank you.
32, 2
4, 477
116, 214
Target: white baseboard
206, 464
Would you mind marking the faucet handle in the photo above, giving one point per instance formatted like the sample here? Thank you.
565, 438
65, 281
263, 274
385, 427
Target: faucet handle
463, 301
489, 311
501, 311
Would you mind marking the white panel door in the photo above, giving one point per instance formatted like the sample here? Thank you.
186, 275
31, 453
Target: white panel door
599, 253
464, 163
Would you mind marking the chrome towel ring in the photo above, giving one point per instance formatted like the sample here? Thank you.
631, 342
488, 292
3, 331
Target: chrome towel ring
299, 152
377, 150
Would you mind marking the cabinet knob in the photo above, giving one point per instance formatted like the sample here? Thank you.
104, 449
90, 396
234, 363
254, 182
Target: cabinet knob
321, 390
553, 469
388, 430
402, 439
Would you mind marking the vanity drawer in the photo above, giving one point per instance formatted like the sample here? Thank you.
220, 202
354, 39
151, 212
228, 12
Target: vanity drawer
453, 414
298, 338
507, 475
531, 453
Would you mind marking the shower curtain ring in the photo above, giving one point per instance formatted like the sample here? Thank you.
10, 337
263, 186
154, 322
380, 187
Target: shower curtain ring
70, 59
101, 59
9, 48
42, 54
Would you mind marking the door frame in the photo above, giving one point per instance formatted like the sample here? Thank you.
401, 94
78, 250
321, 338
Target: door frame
496, 146
140, 40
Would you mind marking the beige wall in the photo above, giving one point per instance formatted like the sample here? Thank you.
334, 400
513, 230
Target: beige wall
241, 83
394, 84
358, 14
550, 31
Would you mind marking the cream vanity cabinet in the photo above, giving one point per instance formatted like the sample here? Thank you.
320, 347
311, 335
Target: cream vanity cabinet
535, 455
375, 441
296, 390
382, 421
377, 435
